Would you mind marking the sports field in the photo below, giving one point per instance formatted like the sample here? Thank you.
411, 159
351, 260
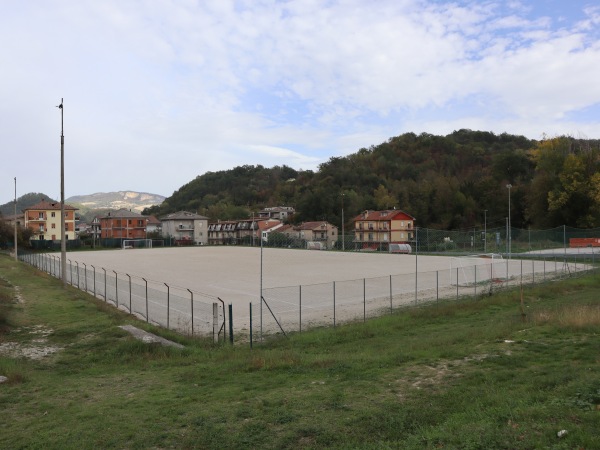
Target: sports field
301, 287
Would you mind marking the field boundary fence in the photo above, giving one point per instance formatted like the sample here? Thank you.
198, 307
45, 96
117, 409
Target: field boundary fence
300, 307
171, 307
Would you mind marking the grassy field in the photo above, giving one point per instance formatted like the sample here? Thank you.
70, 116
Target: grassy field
496, 372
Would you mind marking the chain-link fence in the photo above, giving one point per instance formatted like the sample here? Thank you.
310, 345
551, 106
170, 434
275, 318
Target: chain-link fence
478, 262
171, 307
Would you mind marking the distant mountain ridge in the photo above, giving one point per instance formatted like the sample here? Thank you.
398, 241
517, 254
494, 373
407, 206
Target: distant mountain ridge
135, 201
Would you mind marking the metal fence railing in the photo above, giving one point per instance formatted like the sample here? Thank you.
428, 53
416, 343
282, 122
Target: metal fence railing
172, 307
300, 307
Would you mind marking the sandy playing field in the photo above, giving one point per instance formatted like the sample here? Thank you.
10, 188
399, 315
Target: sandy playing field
234, 273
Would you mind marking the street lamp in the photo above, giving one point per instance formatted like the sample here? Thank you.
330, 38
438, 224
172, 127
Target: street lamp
63, 241
508, 237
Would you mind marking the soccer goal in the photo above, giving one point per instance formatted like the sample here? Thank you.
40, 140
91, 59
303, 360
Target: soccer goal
482, 268
137, 243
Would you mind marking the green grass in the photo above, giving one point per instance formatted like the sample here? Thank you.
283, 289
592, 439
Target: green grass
462, 374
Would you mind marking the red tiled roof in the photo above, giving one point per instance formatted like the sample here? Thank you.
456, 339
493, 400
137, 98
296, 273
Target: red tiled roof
312, 225
390, 214
47, 205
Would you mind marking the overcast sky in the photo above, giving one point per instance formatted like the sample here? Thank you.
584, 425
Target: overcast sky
159, 92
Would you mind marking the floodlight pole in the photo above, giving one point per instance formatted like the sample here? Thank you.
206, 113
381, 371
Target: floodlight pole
15, 218
63, 241
508, 186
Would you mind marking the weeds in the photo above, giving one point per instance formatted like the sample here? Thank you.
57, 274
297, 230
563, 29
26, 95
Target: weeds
462, 374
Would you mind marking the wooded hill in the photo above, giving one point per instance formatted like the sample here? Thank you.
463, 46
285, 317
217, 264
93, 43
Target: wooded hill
446, 182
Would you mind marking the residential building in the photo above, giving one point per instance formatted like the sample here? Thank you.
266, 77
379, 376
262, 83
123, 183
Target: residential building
377, 229
123, 224
266, 227
247, 232
10, 220
185, 227
153, 225
43, 219
222, 233
318, 235
277, 212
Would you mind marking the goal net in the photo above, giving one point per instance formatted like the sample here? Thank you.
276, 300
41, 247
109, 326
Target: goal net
482, 268
137, 243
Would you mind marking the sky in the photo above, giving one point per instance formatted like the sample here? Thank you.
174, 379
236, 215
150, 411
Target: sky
157, 93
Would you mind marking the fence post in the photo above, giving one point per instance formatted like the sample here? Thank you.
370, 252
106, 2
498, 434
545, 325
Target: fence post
250, 325
231, 323
457, 283
146, 282
475, 281
94, 279
129, 292
85, 275
77, 264
364, 299
300, 306
168, 302
334, 304
216, 321
192, 311
437, 285
116, 288
70, 271
105, 299
391, 297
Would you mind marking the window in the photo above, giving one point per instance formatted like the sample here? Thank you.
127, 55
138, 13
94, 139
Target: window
40, 215
385, 237
53, 215
53, 226
370, 236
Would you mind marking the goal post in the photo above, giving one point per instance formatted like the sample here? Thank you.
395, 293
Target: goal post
137, 243
470, 269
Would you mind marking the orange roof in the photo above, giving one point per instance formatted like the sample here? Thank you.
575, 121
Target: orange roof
49, 205
390, 214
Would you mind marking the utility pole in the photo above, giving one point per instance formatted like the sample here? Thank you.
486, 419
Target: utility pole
63, 239
16, 256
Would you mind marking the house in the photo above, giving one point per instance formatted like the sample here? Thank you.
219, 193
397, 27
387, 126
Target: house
185, 227
377, 229
11, 219
222, 232
153, 225
277, 212
123, 224
43, 219
320, 235
247, 231
266, 227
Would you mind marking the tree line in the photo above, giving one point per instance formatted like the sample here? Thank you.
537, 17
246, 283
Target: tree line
447, 182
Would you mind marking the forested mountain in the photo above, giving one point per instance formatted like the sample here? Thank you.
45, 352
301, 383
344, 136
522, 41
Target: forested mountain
22, 202
450, 182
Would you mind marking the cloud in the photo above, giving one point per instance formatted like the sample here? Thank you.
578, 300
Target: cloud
159, 92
